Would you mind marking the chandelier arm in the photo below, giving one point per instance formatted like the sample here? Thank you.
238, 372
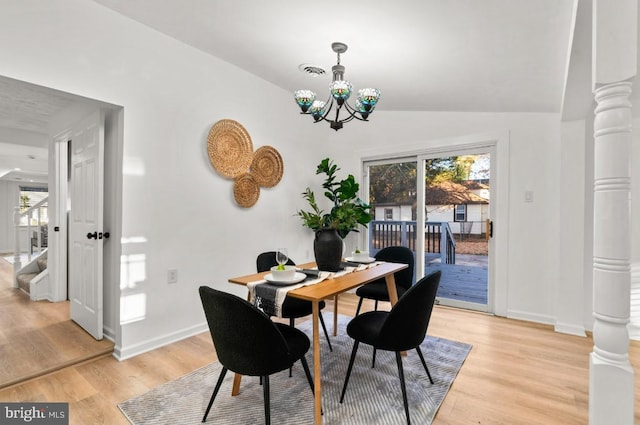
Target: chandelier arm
326, 113
353, 113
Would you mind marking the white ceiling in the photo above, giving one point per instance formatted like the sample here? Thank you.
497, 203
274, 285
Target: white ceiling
424, 55
25, 111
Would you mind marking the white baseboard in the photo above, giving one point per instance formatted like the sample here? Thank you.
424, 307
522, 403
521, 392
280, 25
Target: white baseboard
570, 329
634, 332
529, 317
121, 353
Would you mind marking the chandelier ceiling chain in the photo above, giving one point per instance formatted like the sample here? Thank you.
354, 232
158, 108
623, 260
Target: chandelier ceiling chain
340, 90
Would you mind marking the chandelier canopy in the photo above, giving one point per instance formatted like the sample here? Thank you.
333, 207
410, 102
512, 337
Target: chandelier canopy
339, 92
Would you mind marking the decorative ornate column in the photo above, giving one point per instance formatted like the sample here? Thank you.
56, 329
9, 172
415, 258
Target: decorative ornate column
611, 384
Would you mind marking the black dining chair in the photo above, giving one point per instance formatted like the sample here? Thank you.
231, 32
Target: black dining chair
377, 290
401, 329
248, 342
292, 308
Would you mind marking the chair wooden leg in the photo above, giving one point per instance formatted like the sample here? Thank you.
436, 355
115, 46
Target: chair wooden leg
223, 372
326, 334
402, 384
359, 305
267, 402
424, 363
346, 380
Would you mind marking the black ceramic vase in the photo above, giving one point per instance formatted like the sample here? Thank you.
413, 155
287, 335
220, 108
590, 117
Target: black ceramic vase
327, 248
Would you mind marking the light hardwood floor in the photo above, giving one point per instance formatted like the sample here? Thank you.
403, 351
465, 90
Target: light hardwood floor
37, 337
518, 373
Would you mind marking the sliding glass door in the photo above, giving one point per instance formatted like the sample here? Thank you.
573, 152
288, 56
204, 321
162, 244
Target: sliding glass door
438, 205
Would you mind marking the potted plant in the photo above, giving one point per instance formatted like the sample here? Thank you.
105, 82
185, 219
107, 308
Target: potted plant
347, 212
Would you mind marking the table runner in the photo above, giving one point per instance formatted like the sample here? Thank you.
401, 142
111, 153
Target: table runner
269, 298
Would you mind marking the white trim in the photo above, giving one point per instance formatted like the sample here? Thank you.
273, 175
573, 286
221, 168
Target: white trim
480, 308
527, 316
570, 329
58, 239
133, 350
497, 143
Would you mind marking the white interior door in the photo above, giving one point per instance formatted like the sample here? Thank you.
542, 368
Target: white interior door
86, 224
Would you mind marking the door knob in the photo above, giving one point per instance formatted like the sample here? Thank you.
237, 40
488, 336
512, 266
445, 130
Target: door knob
93, 235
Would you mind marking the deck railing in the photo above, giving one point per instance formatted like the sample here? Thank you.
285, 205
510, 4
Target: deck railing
438, 237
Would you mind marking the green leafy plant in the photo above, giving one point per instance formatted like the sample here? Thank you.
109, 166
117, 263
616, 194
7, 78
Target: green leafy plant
347, 211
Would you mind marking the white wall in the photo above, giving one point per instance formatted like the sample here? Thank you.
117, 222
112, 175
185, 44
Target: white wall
172, 94
573, 285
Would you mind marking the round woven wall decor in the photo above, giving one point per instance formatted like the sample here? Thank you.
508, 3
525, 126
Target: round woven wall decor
267, 166
246, 190
230, 148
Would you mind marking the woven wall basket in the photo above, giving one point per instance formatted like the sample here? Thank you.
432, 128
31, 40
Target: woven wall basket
267, 166
230, 148
246, 190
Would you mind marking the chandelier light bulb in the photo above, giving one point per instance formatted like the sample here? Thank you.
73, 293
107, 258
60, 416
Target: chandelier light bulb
317, 109
341, 90
304, 98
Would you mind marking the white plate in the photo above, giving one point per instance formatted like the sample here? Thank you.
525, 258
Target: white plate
360, 260
297, 278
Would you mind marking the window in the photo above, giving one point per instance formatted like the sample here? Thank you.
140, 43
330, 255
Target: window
460, 213
30, 196
388, 213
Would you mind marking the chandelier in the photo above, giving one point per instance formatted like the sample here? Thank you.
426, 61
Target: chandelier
340, 90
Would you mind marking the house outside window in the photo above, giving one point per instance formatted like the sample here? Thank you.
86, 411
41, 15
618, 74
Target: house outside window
460, 212
388, 213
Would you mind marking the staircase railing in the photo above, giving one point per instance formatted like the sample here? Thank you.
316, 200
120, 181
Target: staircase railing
438, 237
35, 214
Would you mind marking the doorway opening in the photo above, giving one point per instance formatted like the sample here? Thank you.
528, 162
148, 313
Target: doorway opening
69, 110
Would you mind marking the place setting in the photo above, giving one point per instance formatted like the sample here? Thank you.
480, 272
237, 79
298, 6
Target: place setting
287, 274
269, 293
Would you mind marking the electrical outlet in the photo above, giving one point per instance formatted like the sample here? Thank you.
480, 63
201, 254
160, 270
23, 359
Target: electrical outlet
528, 196
172, 276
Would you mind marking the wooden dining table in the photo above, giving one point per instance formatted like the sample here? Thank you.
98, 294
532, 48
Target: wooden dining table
328, 288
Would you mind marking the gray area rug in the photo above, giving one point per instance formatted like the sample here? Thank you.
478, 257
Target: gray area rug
373, 395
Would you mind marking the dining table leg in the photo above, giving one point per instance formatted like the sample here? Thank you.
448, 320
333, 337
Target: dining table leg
393, 294
237, 378
335, 315
315, 309
391, 288
235, 389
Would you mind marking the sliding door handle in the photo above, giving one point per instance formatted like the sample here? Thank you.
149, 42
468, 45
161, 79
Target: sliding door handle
489, 230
